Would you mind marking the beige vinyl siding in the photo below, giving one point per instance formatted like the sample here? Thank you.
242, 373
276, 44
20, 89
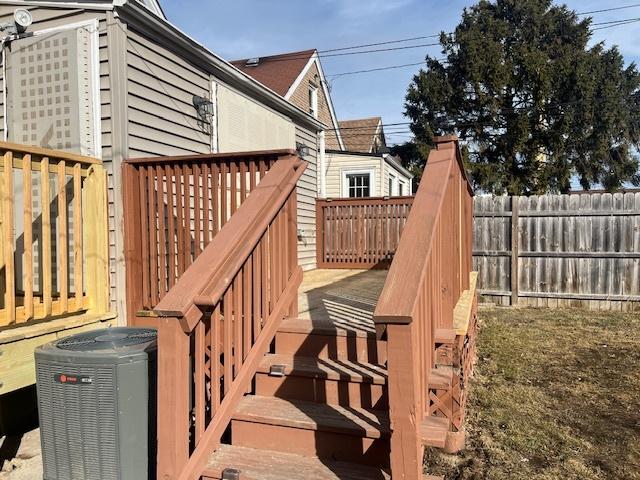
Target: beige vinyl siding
338, 163
245, 125
400, 177
162, 119
307, 194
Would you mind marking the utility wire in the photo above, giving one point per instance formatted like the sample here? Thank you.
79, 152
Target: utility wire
390, 42
609, 9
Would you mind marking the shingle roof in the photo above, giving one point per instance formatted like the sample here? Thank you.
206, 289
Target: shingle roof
278, 72
358, 135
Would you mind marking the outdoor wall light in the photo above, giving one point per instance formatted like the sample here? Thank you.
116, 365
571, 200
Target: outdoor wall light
302, 149
22, 19
204, 107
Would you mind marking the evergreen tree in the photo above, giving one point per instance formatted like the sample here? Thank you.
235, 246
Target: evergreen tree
534, 102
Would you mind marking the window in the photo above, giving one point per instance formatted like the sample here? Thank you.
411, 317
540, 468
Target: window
392, 181
359, 185
52, 91
313, 100
400, 189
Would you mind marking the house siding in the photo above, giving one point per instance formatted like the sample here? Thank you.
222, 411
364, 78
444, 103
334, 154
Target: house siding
300, 98
307, 194
337, 163
162, 119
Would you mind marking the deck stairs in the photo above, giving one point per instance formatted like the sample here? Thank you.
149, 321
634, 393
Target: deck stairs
319, 409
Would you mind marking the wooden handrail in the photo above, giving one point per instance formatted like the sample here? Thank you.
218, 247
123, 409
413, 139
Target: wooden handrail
47, 152
426, 280
220, 318
276, 153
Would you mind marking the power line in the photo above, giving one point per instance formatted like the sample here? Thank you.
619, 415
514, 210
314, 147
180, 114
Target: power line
609, 9
390, 42
623, 20
392, 67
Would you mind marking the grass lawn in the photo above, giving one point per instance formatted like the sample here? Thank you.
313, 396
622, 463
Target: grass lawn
556, 395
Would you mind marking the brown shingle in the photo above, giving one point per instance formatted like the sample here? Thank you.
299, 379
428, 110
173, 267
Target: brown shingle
278, 72
358, 135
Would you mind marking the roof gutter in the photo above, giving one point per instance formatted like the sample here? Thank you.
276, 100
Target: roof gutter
154, 27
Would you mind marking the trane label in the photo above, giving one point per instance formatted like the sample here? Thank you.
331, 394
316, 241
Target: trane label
72, 379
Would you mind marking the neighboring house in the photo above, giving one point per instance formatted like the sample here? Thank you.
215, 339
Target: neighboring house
116, 80
353, 175
364, 135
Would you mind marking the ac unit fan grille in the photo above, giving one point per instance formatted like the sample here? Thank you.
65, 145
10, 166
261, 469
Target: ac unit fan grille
113, 338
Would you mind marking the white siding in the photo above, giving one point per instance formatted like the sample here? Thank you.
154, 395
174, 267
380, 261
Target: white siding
338, 163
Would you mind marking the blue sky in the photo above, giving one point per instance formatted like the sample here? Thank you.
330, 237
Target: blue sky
247, 28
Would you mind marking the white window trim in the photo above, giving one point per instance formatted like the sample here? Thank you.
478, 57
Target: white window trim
93, 26
394, 185
344, 183
404, 188
313, 92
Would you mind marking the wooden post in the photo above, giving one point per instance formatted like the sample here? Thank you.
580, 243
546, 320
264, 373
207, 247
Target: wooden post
173, 398
320, 226
97, 239
133, 241
515, 234
404, 398
9, 248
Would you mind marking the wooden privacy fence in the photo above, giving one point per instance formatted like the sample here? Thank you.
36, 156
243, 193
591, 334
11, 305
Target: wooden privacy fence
559, 250
426, 299
359, 232
218, 320
53, 227
174, 207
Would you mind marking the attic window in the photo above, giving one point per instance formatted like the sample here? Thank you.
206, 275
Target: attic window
253, 62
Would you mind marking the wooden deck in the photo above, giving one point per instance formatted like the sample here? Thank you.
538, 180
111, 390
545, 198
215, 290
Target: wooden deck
346, 297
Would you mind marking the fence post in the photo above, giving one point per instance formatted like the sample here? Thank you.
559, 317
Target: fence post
133, 239
515, 235
97, 243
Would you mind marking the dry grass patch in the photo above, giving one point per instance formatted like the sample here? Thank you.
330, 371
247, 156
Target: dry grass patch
556, 396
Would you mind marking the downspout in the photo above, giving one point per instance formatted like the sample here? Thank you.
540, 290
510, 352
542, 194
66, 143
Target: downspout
322, 166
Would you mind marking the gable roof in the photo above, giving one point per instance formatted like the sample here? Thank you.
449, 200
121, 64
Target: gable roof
359, 135
278, 72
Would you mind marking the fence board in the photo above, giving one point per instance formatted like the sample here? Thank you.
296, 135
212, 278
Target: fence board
566, 250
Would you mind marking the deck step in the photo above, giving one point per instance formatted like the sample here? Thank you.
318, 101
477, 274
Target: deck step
434, 431
355, 341
269, 465
444, 335
323, 380
312, 429
441, 378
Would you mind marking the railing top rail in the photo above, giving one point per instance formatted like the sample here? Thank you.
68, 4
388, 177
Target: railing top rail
46, 152
258, 154
397, 300
365, 200
206, 280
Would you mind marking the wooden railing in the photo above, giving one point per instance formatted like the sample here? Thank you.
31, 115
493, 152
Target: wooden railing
429, 273
219, 319
54, 234
359, 232
174, 207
